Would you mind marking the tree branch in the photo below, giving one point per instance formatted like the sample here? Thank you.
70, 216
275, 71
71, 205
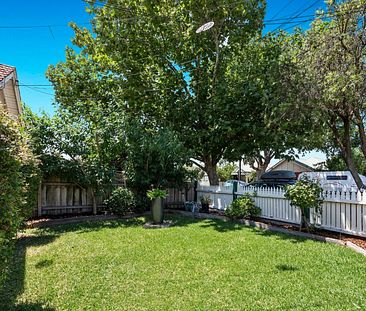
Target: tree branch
179, 76
199, 165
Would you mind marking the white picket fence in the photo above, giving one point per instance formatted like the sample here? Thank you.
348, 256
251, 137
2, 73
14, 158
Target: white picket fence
341, 212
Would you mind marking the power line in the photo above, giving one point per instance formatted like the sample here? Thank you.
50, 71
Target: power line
326, 15
39, 26
282, 8
132, 18
37, 90
299, 14
273, 21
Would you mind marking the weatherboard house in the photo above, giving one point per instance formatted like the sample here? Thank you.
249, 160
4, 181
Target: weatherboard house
9, 90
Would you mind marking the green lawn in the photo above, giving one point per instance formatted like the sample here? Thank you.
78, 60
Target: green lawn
195, 265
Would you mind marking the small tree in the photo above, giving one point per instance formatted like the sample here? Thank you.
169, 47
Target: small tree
305, 194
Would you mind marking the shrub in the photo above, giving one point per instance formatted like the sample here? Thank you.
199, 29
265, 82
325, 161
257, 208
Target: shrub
19, 180
242, 207
305, 194
121, 202
205, 199
156, 193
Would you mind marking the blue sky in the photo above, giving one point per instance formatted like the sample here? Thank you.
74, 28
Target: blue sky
32, 50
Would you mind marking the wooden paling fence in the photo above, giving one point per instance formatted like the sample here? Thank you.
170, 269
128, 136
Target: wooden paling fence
341, 211
176, 197
64, 198
56, 197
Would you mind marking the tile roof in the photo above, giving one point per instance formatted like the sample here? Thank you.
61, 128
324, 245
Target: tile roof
5, 70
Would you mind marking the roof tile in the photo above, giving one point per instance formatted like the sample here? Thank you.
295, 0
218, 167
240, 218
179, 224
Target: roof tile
5, 70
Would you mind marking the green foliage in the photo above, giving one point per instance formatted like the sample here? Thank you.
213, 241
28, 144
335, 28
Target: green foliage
225, 170
330, 59
205, 199
156, 193
261, 82
144, 70
121, 202
19, 181
87, 150
335, 162
305, 194
155, 157
243, 207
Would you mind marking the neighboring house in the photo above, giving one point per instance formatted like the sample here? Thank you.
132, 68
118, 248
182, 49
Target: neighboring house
9, 90
294, 165
246, 172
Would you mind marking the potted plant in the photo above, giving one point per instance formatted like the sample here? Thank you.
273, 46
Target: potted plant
205, 202
157, 196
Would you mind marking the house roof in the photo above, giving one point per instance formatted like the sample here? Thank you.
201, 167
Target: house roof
5, 71
297, 162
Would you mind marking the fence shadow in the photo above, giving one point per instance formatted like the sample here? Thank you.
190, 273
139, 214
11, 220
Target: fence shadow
89, 226
14, 284
281, 236
220, 225
225, 226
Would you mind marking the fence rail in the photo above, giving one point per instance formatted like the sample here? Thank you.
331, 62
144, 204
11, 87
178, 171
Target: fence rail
341, 211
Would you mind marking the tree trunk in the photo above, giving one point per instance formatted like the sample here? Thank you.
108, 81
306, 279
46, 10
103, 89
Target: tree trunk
262, 163
259, 171
351, 166
361, 132
211, 171
347, 153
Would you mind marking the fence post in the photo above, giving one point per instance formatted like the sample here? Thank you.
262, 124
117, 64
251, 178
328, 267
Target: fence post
235, 189
195, 191
39, 203
94, 200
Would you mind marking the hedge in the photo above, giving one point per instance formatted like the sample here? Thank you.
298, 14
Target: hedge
19, 179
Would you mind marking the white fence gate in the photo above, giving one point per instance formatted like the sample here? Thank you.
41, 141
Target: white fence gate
341, 212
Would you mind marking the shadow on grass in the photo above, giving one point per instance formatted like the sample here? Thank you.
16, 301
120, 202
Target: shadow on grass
220, 225
226, 226
91, 226
14, 284
281, 236
217, 224
285, 267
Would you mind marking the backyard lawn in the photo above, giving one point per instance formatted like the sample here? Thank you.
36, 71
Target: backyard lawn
195, 265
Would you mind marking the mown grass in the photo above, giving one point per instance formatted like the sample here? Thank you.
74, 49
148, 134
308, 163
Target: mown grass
195, 265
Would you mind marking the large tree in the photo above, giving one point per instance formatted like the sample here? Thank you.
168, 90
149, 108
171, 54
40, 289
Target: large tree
332, 59
147, 57
263, 73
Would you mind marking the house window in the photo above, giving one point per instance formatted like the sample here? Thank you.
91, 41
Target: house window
341, 177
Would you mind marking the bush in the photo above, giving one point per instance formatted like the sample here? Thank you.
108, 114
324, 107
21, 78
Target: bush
305, 194
121, 202
242, 207
19, 180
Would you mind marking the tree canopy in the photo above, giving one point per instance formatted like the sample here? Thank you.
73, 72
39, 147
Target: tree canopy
147, 58
331, 57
